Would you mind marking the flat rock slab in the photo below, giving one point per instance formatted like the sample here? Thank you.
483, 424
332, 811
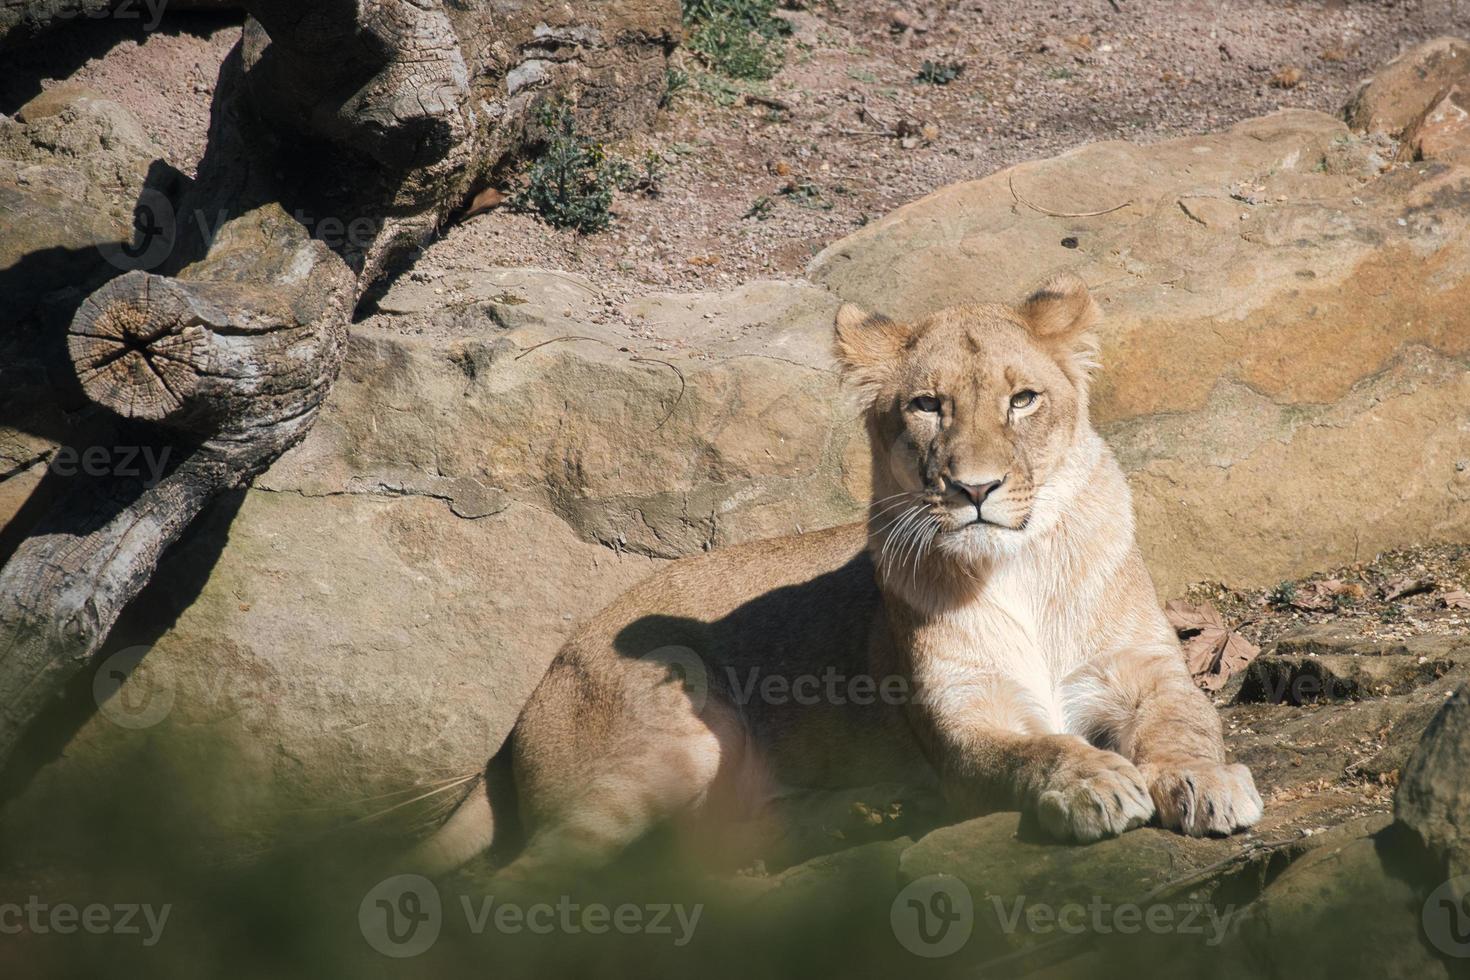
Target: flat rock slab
1335, 662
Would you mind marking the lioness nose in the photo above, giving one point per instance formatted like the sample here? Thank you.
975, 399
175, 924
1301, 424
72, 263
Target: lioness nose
977, 492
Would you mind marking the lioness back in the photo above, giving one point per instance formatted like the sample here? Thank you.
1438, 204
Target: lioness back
778, 631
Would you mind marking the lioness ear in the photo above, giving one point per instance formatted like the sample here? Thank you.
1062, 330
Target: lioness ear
866, 343
1062, 315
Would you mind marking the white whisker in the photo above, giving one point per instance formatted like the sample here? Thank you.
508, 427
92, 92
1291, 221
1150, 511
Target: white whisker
921, 537
888, 509
894, 536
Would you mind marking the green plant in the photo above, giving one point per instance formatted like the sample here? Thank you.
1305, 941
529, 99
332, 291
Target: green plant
646, 178
754, 13
571, 184
731, 48
721, 90
676, 81
939, 72
737, 38
760, 209
1282, 595
806, 195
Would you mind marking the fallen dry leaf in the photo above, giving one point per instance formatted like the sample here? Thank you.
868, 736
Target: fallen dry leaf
1235, 655
1458, 599
1212, 651
1402, 588
900, 20
1200, 653
1323, 596
1187, 617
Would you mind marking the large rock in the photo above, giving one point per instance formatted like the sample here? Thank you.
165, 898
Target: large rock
1420, 99
1286, 345
1340, 911
1400, 91
1433, 800
516, 393
72, 166
1443, 132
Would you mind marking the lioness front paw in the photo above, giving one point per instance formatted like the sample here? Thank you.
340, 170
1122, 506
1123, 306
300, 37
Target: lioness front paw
1200, 798
1096, 795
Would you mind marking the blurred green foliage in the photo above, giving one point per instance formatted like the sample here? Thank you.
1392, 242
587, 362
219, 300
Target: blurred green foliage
738, 38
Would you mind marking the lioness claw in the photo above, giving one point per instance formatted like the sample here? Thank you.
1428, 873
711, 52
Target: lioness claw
1204, 798
1088, 801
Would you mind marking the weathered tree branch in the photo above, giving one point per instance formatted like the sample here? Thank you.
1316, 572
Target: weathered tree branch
379, 115
199, 357
234, 355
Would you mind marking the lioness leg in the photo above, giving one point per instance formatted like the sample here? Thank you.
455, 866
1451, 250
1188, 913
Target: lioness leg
583, 816
991, 756
1159, 719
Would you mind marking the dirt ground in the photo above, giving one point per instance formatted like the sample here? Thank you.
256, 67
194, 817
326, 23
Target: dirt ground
816, 144
1391, 596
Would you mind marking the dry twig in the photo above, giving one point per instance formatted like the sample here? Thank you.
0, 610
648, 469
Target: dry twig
1011, 183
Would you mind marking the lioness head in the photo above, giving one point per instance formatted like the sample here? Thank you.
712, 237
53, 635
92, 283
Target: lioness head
973, 411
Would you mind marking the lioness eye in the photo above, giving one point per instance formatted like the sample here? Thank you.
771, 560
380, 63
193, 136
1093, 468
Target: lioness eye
925, 403
1023, 398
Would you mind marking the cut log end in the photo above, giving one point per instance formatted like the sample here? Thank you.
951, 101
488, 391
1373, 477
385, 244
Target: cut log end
136, 349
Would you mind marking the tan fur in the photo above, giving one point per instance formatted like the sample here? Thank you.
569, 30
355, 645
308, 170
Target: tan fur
996, 581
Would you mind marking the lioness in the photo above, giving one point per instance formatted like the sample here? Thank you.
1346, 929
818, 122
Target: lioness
996, 581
